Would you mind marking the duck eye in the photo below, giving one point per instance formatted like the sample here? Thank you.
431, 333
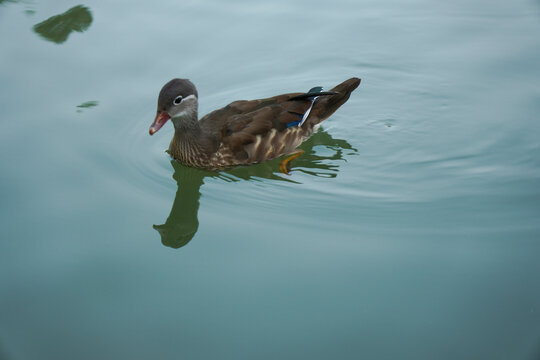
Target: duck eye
177, 100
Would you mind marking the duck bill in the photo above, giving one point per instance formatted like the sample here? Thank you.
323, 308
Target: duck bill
159, 121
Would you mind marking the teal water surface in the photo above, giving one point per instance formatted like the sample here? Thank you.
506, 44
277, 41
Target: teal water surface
409, 229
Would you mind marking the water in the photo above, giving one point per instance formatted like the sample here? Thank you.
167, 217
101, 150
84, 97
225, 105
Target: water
408, 230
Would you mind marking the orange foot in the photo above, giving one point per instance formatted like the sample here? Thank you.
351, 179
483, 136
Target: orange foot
285, 166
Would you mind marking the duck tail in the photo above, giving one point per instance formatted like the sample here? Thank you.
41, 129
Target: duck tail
327, 105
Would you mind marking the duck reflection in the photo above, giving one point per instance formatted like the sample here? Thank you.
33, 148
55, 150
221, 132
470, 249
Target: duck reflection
57, 28
182, 223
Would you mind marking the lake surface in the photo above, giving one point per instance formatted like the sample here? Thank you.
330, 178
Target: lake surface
410, 229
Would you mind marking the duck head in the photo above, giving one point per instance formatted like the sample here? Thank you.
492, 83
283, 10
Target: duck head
178, 100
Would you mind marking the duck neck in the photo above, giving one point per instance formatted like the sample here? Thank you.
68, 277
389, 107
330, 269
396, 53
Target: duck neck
186, 121
188, 143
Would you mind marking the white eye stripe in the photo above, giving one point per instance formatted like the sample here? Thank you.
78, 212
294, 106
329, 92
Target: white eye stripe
177, 100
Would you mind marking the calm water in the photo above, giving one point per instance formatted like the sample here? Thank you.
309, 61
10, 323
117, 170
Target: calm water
409, 230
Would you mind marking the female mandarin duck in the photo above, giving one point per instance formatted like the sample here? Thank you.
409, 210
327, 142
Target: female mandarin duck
245, 131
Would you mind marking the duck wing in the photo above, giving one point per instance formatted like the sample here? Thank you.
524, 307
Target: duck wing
282, 121
242, 123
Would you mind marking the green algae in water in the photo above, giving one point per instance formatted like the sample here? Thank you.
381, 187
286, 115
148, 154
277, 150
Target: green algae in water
57, 28
87, 105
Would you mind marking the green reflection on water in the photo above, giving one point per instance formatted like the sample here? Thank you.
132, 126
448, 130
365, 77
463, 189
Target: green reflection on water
182, 223
57, 28
87, 105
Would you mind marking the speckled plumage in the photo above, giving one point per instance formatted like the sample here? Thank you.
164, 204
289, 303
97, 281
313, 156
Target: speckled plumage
243, 132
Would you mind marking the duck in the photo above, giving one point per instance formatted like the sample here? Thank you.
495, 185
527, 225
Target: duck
245, 132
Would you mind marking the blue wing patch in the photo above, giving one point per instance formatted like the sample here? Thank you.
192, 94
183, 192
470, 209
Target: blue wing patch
311, 95
295, 123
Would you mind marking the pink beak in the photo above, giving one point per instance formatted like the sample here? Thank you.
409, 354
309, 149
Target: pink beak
160, 120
